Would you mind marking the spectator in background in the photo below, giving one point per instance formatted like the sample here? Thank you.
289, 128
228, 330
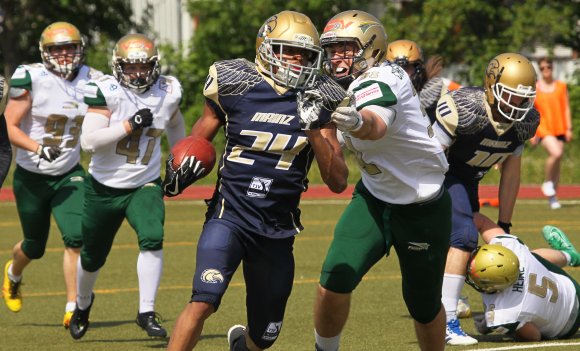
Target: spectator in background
5, 149
555, 127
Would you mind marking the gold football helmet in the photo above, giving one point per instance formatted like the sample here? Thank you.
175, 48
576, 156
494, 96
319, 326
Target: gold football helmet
289, 32
60, 34
362, 29
406, 52
492, 268
510, 85
133, 49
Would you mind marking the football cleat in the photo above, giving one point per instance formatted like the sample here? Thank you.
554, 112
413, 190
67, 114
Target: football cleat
234, 334
149, 321
79, 322
66, 320
456, 336
11, 291
463, 308
559, 241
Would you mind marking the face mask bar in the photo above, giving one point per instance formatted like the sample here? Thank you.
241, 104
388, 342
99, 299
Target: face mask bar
504, 95
67, 69
291, 75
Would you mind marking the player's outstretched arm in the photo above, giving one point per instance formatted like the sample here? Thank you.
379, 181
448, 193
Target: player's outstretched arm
328, 153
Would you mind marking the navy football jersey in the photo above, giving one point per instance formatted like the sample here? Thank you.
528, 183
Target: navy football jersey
262, 173
478, 142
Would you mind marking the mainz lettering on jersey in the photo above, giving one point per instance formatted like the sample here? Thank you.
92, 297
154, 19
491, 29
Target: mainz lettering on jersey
275, 118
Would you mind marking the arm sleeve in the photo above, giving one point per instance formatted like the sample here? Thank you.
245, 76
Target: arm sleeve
97, 133
5, 150
176, 128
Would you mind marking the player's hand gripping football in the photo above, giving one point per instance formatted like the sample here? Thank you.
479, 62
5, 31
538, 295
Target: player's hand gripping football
347, 119
309, 107
141, 119
176, 180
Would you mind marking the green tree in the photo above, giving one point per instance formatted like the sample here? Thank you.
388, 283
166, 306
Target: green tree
471, 32
227, 30
22, 22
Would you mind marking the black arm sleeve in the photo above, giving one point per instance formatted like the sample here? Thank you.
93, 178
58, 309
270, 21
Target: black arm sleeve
5, 150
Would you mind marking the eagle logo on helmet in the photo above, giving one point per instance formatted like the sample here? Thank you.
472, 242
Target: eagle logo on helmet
493, 71
268, 27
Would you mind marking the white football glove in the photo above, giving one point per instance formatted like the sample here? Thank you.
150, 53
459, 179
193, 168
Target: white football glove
309, 107
481, 324
347, 119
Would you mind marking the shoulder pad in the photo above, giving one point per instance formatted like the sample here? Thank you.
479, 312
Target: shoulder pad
21, 79
431, 92
236, 77
93, 96
526, 128
332, 93
93, 73
472, 111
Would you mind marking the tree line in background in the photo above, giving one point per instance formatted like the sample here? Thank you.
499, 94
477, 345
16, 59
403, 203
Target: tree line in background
465, 32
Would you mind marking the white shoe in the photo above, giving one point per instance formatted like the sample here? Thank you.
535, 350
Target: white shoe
554, 204
234, 333
463, 308
456, 336
548, 189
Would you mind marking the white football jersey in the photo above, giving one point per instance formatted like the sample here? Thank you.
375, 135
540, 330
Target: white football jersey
539, 296
136, 159
56, 116
408, 164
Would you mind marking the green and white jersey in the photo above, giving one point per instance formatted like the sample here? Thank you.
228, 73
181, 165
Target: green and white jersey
136, 159
408, 164
539, 296
56, 115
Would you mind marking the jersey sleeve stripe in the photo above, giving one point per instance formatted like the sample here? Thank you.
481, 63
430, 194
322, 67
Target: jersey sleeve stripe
374, 93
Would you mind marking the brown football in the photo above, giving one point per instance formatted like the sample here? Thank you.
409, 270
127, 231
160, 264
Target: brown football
199, 147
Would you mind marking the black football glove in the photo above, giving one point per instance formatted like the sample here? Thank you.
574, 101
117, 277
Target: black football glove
186, 174
309, 107
141, 119
48, 153
505, 226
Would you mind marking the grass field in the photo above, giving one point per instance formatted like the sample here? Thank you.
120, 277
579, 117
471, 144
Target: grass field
378, 321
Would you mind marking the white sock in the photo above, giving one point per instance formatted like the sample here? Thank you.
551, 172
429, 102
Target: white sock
452, 285
85, 284
70, 306
11, 276
568, 257
149, 270
327, 344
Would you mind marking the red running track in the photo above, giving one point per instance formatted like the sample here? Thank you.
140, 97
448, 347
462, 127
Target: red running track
321, 192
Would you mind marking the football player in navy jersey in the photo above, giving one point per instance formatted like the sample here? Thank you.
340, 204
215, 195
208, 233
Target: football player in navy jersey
482, 127
276, 117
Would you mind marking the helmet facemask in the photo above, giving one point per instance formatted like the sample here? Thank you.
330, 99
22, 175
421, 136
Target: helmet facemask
361, 61
62, 49
131, 50
291, 75
504, 100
